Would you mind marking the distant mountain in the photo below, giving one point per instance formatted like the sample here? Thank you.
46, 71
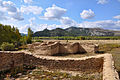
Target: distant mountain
54, 32
22, 34
76, 31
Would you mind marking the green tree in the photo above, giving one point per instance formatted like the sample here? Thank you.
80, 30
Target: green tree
29, 37
18, 34
9, 34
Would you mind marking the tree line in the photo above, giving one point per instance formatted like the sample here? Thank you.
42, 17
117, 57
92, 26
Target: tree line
11, 34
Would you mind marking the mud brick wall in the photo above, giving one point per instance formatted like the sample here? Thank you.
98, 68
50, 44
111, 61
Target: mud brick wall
89, 65
50, 49
69, 48
101, 63
12, 60
89, 48
53, 48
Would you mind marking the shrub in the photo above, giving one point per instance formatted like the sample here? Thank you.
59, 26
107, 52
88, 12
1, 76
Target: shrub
7, 46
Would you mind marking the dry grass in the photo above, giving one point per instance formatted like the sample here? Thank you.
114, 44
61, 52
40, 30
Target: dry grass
39, 74
91, 41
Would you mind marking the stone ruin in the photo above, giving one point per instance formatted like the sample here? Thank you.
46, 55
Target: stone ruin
53, 48
93, 64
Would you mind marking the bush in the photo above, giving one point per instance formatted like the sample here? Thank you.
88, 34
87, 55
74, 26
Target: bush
7, 46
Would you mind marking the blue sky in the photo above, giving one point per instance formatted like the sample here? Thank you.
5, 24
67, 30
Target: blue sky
41, 14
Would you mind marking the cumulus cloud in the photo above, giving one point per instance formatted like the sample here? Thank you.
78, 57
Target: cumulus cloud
31, 24
102, 1
9, 6
117, 17
53, 13
106, 24
31, 9
67, 21
16, 16
9, 11
28, 1
39, 27
87, 14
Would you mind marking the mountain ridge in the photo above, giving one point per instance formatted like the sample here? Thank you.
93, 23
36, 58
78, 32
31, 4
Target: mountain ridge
76, 31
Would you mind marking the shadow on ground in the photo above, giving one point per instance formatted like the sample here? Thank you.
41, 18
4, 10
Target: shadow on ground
67, 54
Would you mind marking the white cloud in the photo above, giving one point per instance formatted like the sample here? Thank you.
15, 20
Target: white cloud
67, 21
9, 6
50, 27
102, 1
31, 9
8, 11
32, 19
16, 16
106, 24
31, 24
117, 17
24, 28
39, 27
28, 1
2, 16
53, 13
87, 14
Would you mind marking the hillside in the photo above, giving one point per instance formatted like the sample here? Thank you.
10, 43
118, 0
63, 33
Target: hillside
76, 31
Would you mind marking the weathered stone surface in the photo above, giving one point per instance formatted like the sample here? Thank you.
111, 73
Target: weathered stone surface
100, 63
52, 48
9, 60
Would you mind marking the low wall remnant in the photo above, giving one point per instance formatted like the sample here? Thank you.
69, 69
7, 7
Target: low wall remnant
100, 63
53, 48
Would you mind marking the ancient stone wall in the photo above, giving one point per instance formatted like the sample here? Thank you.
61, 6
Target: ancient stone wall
89, 48
100, 63
52, 48
47, 49
11, 60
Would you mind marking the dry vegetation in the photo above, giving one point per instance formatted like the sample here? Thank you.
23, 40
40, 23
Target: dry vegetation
39, 74
106, 46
